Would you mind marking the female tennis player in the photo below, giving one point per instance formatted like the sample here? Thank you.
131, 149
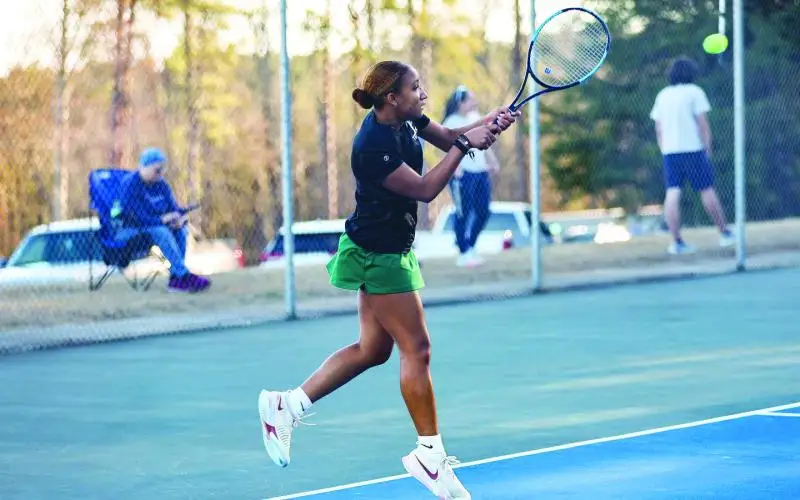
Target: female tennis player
375, 259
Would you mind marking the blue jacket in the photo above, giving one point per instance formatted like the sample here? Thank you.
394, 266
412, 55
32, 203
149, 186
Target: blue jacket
144, 204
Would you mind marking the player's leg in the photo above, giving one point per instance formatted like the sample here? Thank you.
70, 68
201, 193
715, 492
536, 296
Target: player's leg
714, 209
470, 200
674, 176
482, 199
373, 348
703, 182
402, 315
281, 411
672, 212
459, 216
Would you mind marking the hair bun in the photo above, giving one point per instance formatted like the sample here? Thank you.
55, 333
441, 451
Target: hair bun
363, 98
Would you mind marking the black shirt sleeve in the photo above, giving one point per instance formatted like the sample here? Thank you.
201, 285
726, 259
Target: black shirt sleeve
421, 122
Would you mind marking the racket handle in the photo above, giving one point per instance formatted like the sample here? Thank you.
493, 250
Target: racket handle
511, 108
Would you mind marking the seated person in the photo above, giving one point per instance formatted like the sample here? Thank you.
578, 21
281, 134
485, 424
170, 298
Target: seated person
148, 206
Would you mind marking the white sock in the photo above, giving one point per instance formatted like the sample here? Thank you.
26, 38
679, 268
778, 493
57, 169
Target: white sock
430, 444
299, 403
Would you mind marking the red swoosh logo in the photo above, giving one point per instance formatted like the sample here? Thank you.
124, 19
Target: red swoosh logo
433, 475
270, 430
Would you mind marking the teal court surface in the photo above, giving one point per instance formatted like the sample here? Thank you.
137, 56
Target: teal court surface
744, 456
686, 389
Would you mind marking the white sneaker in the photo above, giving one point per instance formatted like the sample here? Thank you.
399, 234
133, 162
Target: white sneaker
462, 260
680, 249
727, 239
474, 258
435, 472
277, 424
469, 259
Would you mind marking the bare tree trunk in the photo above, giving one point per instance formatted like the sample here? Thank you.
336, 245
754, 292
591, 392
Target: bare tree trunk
269, 176
118, 94
483, 55
328, 117
357, 56
5, 215
421, 58
60, 194
371, 41
520, 157
193, 140
161, 109
192, 125
120, 100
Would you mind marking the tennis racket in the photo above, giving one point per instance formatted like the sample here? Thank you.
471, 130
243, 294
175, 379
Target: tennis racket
189, 208
566, 50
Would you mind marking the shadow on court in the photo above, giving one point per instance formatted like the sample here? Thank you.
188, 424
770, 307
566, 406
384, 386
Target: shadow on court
176, 417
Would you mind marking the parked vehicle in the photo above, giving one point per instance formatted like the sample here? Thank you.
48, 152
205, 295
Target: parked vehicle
314, 243
62, 251
509, 226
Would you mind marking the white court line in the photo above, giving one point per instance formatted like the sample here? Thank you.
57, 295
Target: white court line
774, 409
779, 414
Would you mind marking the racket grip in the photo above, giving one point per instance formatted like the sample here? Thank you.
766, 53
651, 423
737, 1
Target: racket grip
510, 108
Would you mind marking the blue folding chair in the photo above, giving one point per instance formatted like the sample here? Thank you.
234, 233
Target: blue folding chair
118, 254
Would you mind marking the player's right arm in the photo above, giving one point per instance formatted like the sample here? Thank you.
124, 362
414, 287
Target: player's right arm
442, 137
659, 135
705, 131
406, 182
700, 108
655, 115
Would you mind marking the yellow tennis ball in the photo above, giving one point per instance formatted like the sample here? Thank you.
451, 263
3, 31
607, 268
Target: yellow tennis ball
715, 43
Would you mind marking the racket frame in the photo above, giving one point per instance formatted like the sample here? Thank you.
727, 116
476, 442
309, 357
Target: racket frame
551, 88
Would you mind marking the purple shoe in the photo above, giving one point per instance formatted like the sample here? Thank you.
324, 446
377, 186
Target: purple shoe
200, 283
189, 283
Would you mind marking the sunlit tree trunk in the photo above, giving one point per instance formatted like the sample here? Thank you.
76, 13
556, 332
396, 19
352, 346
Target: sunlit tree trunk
60, 196
120, 100
329, 117
192, 125
422, 59
517, 64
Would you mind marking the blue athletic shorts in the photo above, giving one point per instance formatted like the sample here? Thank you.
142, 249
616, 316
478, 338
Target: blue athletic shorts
694, 167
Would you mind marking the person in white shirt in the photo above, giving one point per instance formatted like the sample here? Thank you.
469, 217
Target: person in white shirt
680, 114
471, 185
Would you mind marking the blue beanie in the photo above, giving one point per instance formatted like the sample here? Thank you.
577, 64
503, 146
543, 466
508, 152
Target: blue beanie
151, 156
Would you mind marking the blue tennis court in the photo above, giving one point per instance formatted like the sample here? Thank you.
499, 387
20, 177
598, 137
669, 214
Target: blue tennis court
743, 456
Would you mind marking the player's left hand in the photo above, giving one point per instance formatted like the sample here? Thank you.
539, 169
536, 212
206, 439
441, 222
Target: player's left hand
179, 222
505, 118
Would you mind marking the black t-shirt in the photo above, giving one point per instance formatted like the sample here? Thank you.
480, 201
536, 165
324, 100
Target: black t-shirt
383, 221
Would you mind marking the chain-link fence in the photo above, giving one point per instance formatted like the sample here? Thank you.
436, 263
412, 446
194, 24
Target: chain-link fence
100, 81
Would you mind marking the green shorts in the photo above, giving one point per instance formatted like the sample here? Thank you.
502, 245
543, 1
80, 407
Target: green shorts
353, 268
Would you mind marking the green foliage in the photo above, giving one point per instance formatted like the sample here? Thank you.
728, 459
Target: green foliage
598, 144
605, 148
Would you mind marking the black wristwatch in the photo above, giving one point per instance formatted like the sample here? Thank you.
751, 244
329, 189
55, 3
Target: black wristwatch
463, 144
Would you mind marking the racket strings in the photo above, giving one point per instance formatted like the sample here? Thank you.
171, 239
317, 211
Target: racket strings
568, 48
